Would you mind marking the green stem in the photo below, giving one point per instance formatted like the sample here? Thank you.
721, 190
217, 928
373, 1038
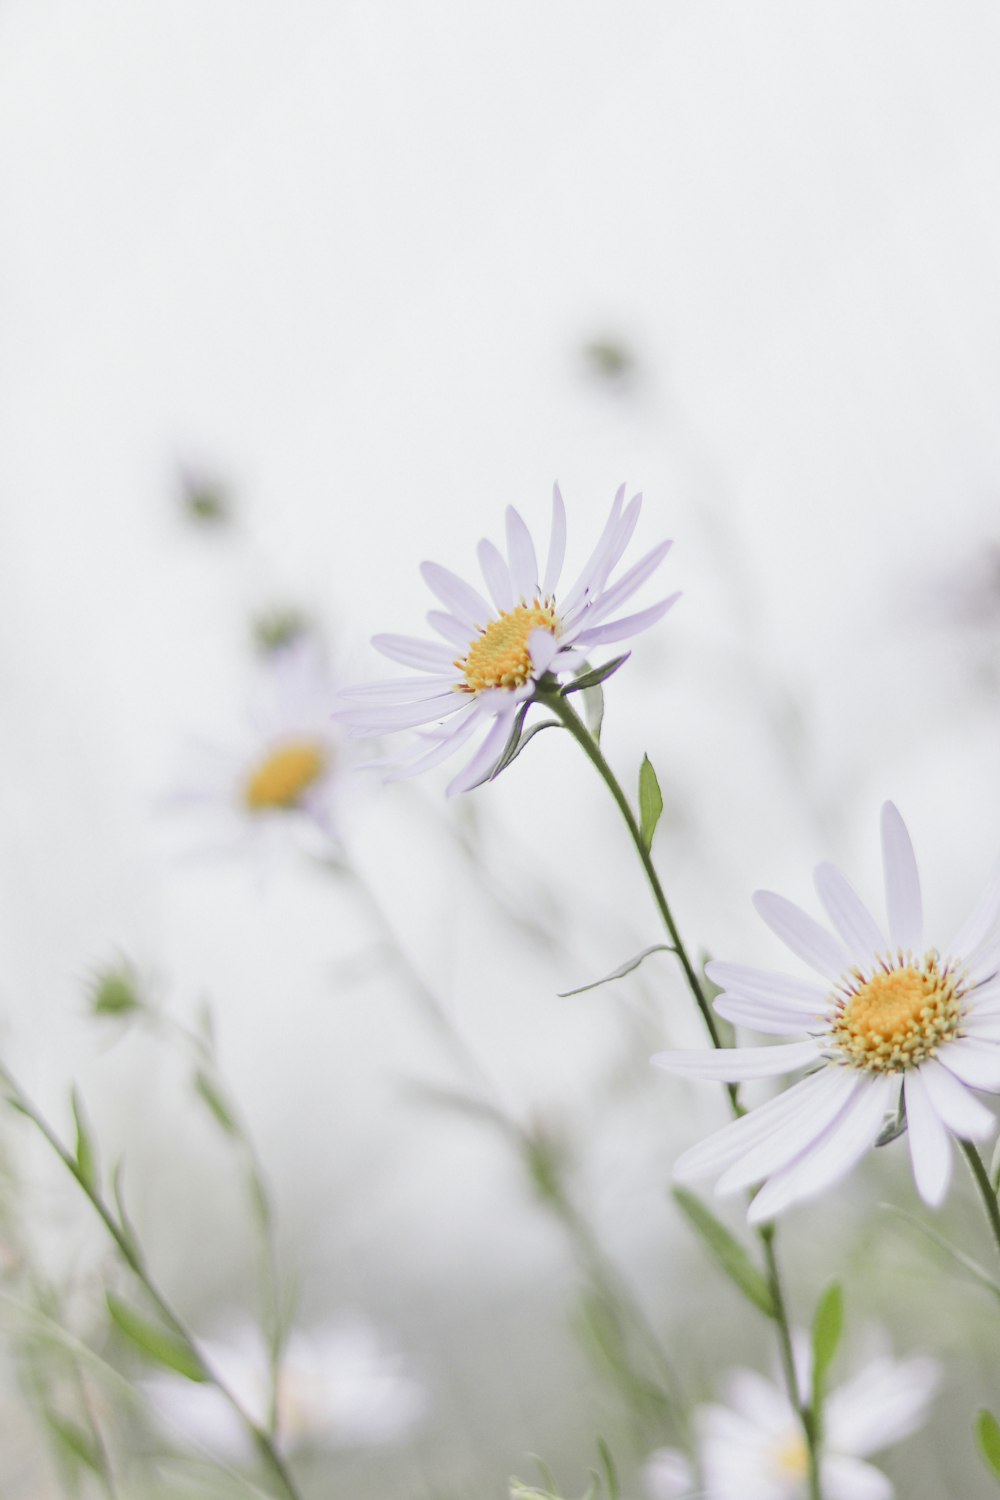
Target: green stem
132, 1256
982, 1181
555, 701
806, 1415
569, 718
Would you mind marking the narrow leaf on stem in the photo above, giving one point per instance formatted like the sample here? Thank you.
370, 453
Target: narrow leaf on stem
729, 1254
156, 1343
85, 1153
621, 971
650, 801
988, 1438
828, 1325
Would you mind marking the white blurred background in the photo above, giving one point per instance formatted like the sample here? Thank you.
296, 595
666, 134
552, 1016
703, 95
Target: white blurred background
377, 271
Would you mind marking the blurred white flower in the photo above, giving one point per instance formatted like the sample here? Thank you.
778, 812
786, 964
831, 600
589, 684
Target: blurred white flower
287, 774
341, 1385
504, 647
753, 1449
896, 1026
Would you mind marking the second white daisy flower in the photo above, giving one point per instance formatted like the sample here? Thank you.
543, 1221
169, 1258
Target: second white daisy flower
894, 1025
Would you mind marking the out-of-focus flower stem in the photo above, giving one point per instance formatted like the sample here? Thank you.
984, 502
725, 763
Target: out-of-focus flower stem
604, 1279
556, 702
131, 1254
982, 1180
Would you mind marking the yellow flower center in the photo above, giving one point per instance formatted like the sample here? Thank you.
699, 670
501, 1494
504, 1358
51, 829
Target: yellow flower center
791, 1457
499, 658
281, 779
899, 1017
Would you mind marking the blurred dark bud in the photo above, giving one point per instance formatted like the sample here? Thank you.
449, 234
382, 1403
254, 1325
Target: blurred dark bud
609, 359
205, 501
273, 629
115, 991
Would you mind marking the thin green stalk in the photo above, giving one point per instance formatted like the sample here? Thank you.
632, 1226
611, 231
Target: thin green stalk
568, 716
986, 1193
132, 1256
557, 703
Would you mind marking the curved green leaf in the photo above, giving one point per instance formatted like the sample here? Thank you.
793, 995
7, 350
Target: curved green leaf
729, 1254
156, 1343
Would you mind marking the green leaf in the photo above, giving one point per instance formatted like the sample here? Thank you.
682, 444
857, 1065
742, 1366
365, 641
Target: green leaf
212, 1095
76, 1441
730, 1255
86, 1154
828, 1325
988, 1438
610, 1472
650, 801
156, 1343
621, 971
595, 676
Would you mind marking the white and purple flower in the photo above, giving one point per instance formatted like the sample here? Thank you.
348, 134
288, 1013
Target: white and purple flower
895, 1028
493, 652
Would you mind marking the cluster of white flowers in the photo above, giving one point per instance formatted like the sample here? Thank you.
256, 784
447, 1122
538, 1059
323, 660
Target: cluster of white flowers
897, 1035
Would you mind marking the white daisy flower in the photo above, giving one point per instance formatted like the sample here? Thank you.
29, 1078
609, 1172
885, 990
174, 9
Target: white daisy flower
896, 1028
753, 1449
287, 774
340, 1386
497, 652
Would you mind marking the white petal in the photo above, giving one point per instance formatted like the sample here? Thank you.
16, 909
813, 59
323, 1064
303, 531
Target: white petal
484, 758
497, 575
465, 602
557, 544
543, 647
930, 1144
383, 718
782, 1147
760, 1402
521, 553
849, 914
845, 1478
803, 935
973, 1062
446, 745
668, 1475
963, 1114
833, 1155
773, 1020
981, 920
736, 1064
723, 1147
622, 536
627, 585
403, 689
605, 542
409, 651
745, 983
984, 961
886, 1402
902, 883
628, 625
452, 630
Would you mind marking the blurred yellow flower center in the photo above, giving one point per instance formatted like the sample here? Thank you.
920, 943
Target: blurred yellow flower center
791, 1457
500, 658
280, 780
899, 1017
